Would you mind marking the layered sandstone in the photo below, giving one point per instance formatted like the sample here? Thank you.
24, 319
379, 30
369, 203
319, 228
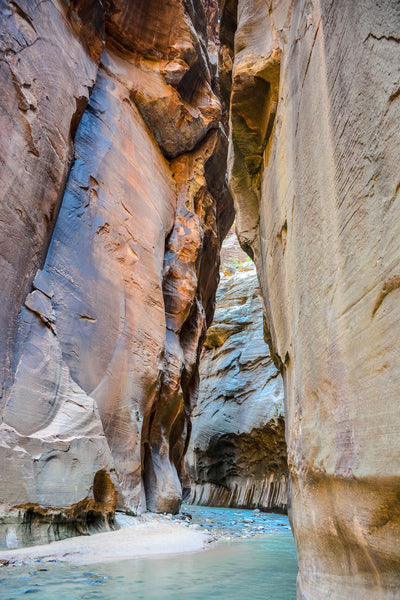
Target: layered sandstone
237, 452
39, 118
314, 171
114, 207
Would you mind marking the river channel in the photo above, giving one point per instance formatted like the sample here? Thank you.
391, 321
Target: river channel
254, 559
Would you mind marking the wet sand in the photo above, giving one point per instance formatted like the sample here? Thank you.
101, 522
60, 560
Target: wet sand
148, 535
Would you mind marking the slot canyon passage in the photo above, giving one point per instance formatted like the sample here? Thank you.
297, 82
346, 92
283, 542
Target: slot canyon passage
132, 134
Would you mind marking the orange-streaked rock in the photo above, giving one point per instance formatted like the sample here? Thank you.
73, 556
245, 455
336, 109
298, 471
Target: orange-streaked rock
97, 372
173, 83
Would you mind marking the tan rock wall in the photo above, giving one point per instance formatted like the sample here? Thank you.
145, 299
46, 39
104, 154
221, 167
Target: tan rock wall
317, 195
101, 360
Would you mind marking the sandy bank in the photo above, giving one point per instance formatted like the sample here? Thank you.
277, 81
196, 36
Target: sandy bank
148, 535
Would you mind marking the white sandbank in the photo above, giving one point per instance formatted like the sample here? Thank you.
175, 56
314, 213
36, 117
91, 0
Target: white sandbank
148, 535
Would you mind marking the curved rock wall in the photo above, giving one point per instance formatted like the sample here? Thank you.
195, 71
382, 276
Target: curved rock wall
314, 172
39, 118
113, 185
237, 452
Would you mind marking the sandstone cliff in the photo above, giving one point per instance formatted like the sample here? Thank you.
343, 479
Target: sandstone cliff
237, 452
113, 207
313, 168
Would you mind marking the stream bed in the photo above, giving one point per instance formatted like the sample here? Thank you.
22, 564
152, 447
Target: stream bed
254, 559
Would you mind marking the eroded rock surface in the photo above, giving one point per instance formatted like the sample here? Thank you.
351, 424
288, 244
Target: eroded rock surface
113, 184
237, 452
314, 171
39, 117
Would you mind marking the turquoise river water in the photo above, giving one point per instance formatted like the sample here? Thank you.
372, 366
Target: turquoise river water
255, 559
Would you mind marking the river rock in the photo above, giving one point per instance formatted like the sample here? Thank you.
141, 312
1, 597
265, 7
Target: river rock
313, 168
237, 452
114, 205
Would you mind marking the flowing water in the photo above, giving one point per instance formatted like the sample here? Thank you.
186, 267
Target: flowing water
255, 560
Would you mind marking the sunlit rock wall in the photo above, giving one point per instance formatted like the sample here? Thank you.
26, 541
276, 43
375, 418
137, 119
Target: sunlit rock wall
237, 452
314, 171
113, 207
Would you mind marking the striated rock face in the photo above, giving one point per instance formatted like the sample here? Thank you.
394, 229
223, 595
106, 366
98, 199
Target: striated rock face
114, 205
38, 120
314, 171
237, 452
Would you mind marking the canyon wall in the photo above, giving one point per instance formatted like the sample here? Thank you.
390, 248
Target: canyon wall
313, 166
237, 451
113, 207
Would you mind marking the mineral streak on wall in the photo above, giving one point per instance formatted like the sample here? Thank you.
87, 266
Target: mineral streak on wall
113, 208
237, 452
314, 88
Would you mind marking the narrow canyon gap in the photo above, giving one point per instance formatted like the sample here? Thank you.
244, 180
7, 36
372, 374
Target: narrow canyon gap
237, 452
